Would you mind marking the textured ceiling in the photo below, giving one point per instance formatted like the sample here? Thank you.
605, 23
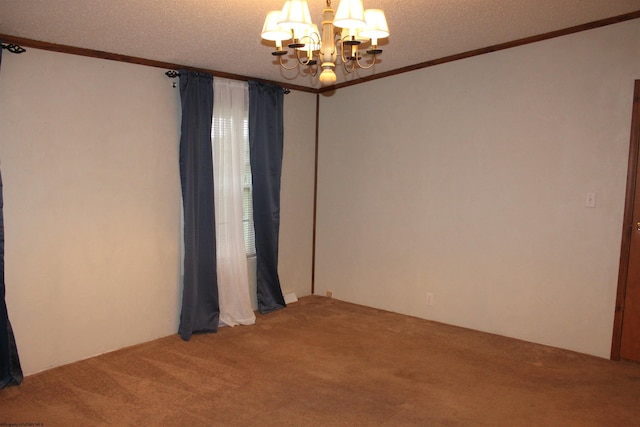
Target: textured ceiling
225, 35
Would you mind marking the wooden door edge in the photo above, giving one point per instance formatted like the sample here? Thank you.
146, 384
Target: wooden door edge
627, 224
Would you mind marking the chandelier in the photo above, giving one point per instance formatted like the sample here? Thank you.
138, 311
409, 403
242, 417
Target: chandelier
344, 34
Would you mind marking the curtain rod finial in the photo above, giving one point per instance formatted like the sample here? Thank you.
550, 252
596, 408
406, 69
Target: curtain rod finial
14, 48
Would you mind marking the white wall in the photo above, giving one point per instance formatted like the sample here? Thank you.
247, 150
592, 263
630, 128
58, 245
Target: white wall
89, 158
468, 179
92, 205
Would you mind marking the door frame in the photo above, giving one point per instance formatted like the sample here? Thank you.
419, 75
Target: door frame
627, 223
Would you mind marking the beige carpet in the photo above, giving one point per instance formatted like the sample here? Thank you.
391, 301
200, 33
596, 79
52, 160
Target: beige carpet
323, 362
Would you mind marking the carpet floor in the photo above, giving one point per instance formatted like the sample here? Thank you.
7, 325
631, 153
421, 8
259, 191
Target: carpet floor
324, 362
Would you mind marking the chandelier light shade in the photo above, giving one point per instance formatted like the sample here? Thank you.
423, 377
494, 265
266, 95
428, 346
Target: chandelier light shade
295, 16
272, 30
376, 26
350, 14
343, 33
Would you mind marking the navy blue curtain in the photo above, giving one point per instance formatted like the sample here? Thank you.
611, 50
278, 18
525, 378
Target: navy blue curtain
200, 305
10, 370
266, 137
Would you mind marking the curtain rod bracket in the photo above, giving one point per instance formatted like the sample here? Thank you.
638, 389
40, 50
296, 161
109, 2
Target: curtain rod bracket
14, 48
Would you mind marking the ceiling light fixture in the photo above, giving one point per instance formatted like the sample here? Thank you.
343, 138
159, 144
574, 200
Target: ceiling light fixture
344, 32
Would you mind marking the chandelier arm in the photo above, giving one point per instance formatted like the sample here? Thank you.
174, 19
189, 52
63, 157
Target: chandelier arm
285, 67
368, 66
349, 66
310, 57
307, 62
344, 59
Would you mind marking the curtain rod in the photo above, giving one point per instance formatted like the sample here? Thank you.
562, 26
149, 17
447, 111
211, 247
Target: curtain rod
172, 74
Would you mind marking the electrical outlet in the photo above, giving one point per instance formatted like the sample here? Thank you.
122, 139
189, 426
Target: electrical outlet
590, 199
329, 294
429, 298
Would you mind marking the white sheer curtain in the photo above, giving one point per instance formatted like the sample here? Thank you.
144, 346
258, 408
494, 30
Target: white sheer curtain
228, 133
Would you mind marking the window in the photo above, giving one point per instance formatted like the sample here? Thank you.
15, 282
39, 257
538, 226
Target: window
247, 197
224, 126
